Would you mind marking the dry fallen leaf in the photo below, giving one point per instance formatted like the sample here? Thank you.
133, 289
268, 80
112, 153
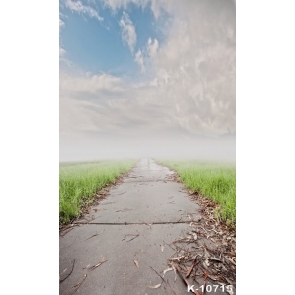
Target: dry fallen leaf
155, 287
95, 235
168, 269
218, 259
63, 271
231, 260
136, 263
190, 269
174, 273
96, 265
76, 287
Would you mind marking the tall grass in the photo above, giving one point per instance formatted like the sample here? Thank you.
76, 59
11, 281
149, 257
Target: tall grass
216, 181
79, 181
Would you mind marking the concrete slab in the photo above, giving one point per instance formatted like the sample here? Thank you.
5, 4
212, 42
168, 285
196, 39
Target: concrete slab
145, 202
119, 274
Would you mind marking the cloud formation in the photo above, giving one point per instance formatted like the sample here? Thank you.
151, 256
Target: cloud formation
128, 31
62, 52
187, 89
139, 60
152, 47
117, 4
61, 24
80, 8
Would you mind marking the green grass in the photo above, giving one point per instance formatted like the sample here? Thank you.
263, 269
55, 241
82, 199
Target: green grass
216, 181
79, 181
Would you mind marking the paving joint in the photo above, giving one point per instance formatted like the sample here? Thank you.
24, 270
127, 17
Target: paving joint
135, 223
147, 181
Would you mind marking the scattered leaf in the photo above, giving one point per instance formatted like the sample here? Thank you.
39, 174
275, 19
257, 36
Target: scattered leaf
123, 210
166, 270
95, 235
175, 278
62, 271
156, 286
190, 269
136, 263
107, 203
134, 236
76, 287
96, 265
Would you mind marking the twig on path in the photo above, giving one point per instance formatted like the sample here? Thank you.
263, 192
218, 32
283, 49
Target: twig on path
66, 231
123, 210
186, 282
204, 285
134, 236
163, 280
107, 203
179, 219
171, 287
122, 193
95, 235
158, 274
96, 265
76, 287
191, 267
60, 281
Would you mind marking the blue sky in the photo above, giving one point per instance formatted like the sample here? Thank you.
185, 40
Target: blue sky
97, 46
146, 71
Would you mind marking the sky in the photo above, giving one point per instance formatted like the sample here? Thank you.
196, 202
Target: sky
153, 78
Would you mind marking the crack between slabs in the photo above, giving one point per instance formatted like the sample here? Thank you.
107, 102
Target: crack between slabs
133, 181
135, 223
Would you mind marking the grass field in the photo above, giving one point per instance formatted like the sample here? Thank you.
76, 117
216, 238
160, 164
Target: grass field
79, 181
215, 181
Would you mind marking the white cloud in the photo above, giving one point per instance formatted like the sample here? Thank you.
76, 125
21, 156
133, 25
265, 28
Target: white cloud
61, 52
139, 59
143, 56
61, 24
195, 67
117, 4
78, 7
156, 8
128, 31
189, 84
152, 47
